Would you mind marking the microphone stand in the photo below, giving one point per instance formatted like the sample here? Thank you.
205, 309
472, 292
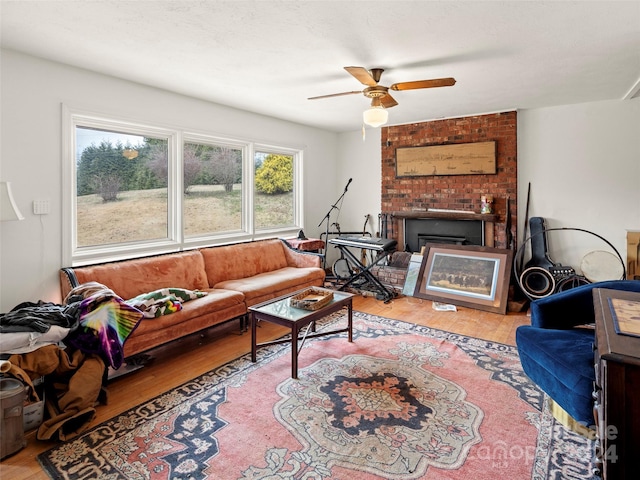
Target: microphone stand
327, 218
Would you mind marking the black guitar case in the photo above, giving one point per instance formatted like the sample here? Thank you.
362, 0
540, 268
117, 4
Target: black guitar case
536, 279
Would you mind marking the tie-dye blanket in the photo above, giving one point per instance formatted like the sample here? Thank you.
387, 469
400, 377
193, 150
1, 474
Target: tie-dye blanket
106, 321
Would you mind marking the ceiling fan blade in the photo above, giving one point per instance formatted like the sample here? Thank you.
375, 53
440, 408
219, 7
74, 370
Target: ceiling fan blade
436, 82
362, 75
388, 101
335, 95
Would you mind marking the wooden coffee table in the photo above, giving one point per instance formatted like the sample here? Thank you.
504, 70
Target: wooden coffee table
279, 311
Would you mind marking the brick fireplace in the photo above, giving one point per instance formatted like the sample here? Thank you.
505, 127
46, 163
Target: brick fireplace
413, 229
458, 196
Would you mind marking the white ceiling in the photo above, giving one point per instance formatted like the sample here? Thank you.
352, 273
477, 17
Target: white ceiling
270, 56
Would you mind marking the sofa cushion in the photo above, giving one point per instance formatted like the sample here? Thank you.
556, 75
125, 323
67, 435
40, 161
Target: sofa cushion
214, 300
265, 286
243, 260
561, 362
216, 307
130, 278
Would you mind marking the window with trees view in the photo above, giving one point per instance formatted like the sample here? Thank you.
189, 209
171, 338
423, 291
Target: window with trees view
212, 188
274, 200
139, 188
121, 187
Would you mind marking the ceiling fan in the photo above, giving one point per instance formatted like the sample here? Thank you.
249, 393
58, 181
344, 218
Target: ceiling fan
379, 94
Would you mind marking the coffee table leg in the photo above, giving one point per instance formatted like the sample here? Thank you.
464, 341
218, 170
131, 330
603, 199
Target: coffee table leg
294, 351
252, 320
350, 320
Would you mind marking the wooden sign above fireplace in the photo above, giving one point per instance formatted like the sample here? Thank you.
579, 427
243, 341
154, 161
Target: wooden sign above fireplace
452, 159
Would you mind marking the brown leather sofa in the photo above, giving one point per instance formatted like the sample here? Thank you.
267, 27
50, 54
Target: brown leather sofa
234, 276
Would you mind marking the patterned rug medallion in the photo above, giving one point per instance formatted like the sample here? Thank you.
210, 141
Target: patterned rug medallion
400, 402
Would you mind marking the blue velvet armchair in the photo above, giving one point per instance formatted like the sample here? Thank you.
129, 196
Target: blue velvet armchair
556, 350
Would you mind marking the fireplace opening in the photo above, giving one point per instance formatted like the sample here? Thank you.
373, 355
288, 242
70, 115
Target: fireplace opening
420, 231
424, 239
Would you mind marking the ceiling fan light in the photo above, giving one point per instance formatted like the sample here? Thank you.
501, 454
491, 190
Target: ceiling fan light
375, 116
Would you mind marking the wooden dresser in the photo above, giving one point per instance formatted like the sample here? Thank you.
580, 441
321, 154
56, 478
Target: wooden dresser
617, 385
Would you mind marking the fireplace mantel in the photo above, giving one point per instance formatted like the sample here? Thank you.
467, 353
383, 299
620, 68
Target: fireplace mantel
398, 219
485, 217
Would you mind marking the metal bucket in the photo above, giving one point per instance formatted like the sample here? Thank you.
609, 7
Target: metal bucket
12, 396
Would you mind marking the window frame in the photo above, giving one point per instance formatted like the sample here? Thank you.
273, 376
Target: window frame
297, 183
176, 240
245, 146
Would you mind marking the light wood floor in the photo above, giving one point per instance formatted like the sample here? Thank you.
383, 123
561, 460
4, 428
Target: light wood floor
186, 359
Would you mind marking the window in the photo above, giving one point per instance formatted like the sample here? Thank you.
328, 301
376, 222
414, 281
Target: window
121, 187
274, 186
212, 193
134, 189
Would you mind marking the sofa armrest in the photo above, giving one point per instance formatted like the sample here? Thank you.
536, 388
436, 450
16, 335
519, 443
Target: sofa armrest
68, 281
299, 259
573, 307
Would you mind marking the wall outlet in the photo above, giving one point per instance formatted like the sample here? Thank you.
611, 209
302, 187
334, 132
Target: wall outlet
41, 207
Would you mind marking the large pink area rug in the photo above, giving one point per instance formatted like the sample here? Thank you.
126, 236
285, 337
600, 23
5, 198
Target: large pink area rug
400, 402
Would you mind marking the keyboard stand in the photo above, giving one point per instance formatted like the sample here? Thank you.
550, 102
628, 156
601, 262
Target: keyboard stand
383, 293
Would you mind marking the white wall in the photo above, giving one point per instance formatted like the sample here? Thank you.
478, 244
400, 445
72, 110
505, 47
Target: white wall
583, 163
359, 160
32, 92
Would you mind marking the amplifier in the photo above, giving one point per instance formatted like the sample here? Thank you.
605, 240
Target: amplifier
560, 271
540, 282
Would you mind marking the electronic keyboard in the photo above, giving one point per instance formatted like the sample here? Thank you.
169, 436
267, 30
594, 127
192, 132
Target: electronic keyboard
368, 243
